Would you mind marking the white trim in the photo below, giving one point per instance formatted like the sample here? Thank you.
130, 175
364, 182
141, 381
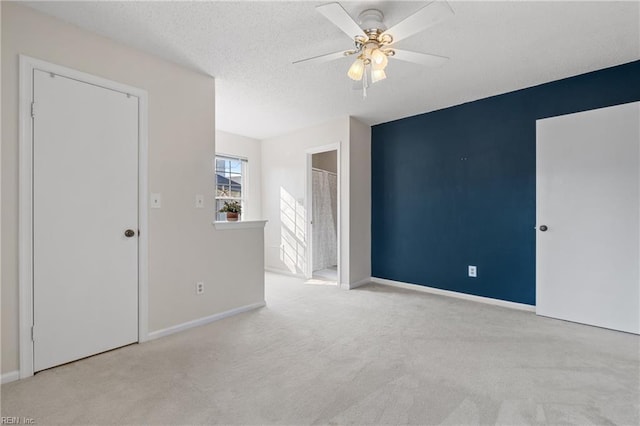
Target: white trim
202, 321
230, 157
25, 218
440, 292
9, 377
348, 286
284, 272
308, 273
323, 148
143, 217
344, 206
308, 206
25, 258
241, 224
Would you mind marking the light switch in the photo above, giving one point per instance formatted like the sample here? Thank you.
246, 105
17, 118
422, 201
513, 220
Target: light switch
155, 200
199, 201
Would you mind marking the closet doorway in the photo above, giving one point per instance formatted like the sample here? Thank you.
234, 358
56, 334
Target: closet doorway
323, 201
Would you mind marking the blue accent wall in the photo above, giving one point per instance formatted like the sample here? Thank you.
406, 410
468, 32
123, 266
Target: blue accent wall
456, 187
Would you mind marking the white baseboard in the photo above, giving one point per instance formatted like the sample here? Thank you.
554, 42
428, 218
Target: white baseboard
473, 298
284, 272
351, 286
202, 321
11, 376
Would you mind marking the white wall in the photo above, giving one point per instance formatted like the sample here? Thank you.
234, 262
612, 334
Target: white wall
242, 146
184, 247
283, 192
283, 197
360, 205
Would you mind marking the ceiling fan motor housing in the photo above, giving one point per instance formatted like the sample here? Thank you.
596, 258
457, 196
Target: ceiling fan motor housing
370, 21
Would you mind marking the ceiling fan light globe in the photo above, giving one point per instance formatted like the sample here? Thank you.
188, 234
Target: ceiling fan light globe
379, 59
356, 70
377, 75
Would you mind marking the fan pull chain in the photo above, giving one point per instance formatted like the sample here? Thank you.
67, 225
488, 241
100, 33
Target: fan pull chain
364, 84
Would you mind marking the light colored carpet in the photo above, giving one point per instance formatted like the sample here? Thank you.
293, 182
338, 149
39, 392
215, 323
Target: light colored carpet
374, 355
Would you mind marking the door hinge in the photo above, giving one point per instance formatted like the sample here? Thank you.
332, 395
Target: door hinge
33, 109
33, 334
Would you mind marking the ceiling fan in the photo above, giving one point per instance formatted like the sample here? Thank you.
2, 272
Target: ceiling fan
374, 42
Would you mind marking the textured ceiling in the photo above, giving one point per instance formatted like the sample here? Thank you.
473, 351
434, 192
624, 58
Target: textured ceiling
495, 47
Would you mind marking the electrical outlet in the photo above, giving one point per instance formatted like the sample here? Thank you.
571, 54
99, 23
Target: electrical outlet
199, 288
473, 271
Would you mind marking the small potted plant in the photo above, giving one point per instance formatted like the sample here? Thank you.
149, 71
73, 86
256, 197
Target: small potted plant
233, 210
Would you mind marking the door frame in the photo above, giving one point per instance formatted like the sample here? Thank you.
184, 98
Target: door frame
25, 199
309, 207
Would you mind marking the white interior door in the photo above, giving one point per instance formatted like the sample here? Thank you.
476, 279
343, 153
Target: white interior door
85, 196
588, 191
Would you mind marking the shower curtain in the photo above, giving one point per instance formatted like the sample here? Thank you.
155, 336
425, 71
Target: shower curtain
325, 219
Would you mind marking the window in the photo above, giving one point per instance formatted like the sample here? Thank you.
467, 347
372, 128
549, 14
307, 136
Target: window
231, 173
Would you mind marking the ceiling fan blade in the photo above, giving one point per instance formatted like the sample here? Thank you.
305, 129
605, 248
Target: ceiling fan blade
341, 19
420, 58
326, 58
431, 14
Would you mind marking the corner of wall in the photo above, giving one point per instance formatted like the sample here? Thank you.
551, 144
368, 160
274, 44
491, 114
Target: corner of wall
360, 201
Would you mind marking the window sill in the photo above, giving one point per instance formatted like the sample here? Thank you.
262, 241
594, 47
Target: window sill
241, 224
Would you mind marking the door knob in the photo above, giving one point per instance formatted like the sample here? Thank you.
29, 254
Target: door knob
129, 233
543, 228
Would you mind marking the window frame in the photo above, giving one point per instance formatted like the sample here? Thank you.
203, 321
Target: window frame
244, 169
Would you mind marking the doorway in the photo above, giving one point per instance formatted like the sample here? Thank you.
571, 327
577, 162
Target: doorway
83, 216
324, 216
